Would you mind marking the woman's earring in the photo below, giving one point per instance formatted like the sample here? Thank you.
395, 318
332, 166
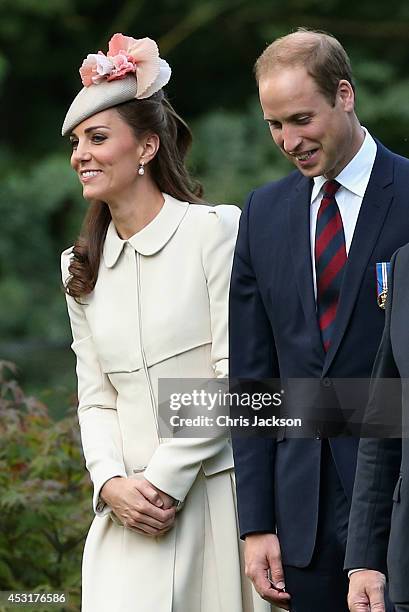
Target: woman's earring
141, 169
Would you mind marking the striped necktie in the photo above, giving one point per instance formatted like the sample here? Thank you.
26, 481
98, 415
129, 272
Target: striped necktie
330, 260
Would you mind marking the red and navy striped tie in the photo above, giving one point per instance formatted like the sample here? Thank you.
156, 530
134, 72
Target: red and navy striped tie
330, 260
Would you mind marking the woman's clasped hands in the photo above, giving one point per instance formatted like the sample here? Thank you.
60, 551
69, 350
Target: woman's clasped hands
139, 505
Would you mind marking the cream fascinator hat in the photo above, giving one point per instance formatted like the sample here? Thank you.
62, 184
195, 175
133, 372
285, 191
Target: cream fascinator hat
131, 69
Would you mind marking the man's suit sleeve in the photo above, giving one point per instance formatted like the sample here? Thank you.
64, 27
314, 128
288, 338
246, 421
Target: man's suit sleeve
252, 356
377, 468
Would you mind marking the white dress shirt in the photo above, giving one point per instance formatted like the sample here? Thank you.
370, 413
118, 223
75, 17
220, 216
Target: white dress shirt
354, 180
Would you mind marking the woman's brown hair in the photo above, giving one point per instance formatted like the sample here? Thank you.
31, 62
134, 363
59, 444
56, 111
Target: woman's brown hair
168, 170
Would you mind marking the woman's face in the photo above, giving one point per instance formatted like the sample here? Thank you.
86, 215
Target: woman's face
106, 155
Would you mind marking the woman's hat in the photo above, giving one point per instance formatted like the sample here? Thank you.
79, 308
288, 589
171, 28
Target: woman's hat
131, 69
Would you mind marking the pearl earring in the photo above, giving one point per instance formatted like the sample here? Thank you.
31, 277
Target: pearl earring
141, 169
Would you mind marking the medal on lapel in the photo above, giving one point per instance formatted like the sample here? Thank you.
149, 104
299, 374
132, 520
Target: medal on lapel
382, 271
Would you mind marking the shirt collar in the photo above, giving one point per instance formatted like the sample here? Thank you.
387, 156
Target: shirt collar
355, 176
152, 238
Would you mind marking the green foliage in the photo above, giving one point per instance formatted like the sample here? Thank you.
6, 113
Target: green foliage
41, 208
233, 153
380, 95
44, 495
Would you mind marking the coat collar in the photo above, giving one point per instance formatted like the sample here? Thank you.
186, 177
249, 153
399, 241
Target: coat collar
152, 238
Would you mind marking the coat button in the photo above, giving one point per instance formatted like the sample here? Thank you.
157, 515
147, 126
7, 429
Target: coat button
326, 382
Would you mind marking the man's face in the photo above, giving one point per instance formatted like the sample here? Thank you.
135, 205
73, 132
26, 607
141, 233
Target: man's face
320, 139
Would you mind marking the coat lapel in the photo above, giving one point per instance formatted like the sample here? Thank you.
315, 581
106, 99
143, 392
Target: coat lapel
299, 226
374, 208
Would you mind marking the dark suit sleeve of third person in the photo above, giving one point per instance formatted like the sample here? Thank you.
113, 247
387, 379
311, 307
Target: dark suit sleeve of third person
378, 465
252, 355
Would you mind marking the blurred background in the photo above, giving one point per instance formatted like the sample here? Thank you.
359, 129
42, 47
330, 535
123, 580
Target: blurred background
211, 46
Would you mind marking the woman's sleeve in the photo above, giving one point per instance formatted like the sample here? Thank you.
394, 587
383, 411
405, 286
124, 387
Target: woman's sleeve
176, 463
98, 419
217, 262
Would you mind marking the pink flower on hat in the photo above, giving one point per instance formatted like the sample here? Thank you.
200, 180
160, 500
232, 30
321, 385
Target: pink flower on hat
95, 68
128, 55
122, 66
143, 53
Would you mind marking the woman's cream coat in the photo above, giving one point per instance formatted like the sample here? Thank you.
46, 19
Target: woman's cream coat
158, 310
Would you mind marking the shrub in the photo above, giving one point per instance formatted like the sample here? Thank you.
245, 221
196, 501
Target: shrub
44, 495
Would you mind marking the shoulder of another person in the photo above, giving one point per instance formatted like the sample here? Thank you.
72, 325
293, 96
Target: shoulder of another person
401, 258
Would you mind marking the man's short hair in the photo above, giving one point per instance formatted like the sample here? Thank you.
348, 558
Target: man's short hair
323, 56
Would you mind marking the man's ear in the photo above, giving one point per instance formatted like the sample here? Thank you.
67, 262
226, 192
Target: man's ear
346, 96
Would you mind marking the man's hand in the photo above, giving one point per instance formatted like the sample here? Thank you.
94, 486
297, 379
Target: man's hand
139, 505
366, 588
262, 553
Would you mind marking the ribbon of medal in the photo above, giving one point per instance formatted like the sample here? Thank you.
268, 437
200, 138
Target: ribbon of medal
382, 270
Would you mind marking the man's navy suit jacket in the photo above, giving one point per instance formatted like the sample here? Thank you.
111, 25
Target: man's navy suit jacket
274, 333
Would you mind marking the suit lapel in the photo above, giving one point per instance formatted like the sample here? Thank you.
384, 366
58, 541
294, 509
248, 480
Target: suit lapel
299, 203
374, 208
